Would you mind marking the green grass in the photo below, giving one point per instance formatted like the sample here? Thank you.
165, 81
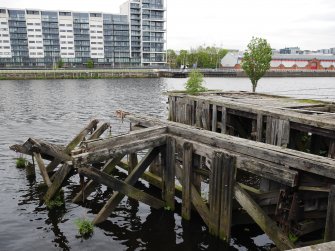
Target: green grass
21, 162
85, 227
56, 202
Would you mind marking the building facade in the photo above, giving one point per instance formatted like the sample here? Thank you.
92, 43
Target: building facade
37, 38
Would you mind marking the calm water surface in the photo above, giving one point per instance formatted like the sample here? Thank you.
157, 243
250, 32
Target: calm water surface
56, 110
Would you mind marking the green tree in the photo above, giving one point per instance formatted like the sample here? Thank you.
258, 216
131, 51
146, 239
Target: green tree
60, 63
172, 58
90, 63
195, 82
256, 60
182, 58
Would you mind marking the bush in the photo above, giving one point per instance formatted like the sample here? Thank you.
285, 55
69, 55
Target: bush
21, 162
85, 227
195, 83
90, 63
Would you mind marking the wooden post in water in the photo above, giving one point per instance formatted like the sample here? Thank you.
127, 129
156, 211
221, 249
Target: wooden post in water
330, 220
187, 180
169, 173
222, 180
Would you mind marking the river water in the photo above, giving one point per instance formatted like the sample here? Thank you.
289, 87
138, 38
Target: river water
55, 110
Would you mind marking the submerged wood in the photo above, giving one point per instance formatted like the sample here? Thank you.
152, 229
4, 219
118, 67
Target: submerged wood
122, 187
131, 180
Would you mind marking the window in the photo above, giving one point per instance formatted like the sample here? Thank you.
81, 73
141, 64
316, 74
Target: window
69, 25
31, 42
4, 23
33, 12
37, 29
65, 13
61, 25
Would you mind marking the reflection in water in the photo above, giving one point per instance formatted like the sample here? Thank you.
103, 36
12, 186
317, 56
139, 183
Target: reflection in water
56, 110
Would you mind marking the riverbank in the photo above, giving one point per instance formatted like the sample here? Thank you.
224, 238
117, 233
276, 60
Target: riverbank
143, 73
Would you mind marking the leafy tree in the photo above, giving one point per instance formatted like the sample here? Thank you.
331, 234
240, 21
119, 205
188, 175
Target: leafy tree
172, 58
90, 63
256, 60
195, 83
182, 58
60, 63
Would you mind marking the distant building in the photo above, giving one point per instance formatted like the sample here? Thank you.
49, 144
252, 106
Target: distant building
136, 37
286, 61
290, 50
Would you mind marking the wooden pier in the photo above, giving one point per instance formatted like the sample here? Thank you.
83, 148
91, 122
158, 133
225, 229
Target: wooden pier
292, 189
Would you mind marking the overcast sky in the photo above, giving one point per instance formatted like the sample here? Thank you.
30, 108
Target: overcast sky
309, 24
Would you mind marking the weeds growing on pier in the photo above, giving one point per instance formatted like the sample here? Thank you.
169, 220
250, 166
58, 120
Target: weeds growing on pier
85, 227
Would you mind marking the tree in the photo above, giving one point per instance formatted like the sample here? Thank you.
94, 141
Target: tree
90, 63
256, 60
172, 58
195, 83
60, 63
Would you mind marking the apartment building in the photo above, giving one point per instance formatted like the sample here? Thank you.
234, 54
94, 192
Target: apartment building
41, 38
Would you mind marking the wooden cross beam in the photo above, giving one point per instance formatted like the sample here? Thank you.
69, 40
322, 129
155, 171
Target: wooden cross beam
130, 180
120, 186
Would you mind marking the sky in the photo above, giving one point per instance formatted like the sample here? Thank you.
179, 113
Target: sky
309, 24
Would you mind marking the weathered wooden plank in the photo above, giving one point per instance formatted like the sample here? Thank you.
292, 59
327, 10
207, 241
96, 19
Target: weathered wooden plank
187, 180
259, 134
214, 118
331, 151
329, 246
214, 194
330, 220
95, 145
129, 147
60, 176
224, 120
131, 180
169, 173
120, 186
74, 142
91, 185
226, 195
43, 169
288, 157
99, 131
264, 222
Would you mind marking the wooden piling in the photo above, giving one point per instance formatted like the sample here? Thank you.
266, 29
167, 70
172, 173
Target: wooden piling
187, 180
169, 173
330, 220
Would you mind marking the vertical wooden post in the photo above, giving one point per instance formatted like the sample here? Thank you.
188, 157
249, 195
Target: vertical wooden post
259, 127
221, 189
331, 151
330, 220
214, 118
224, 120
187, 180
169, 173
133, 161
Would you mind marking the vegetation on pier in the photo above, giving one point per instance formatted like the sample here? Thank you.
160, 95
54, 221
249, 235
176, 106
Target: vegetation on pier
85, 227
195, 83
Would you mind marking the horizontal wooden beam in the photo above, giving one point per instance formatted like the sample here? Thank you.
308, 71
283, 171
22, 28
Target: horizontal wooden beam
126, 148
242, 147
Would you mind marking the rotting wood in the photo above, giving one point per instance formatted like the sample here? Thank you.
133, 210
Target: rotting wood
288, 157
331, 151
187, 180
99, 131
94, 145
263, 221
74, 142
259, 131
214, 118
43, 169
169, 173
126, 148
60, 176
122, 187
91, 185
131, 180
224, 120
330, 221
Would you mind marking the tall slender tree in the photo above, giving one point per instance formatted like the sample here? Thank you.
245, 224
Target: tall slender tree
256, 60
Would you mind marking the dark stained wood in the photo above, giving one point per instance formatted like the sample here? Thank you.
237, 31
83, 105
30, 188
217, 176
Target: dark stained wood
264, 222
99, 131
330, 220
259, 131
331, 151
187, 180
169, 173
131, 180
121, 186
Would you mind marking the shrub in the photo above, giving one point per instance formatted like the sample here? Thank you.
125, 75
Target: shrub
195, 83
85, 227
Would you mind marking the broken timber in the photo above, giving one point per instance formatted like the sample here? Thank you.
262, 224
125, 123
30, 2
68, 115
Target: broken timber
193, 156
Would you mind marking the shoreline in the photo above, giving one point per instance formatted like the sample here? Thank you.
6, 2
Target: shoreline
142, 73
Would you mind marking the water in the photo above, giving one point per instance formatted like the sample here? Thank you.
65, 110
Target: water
56, 110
